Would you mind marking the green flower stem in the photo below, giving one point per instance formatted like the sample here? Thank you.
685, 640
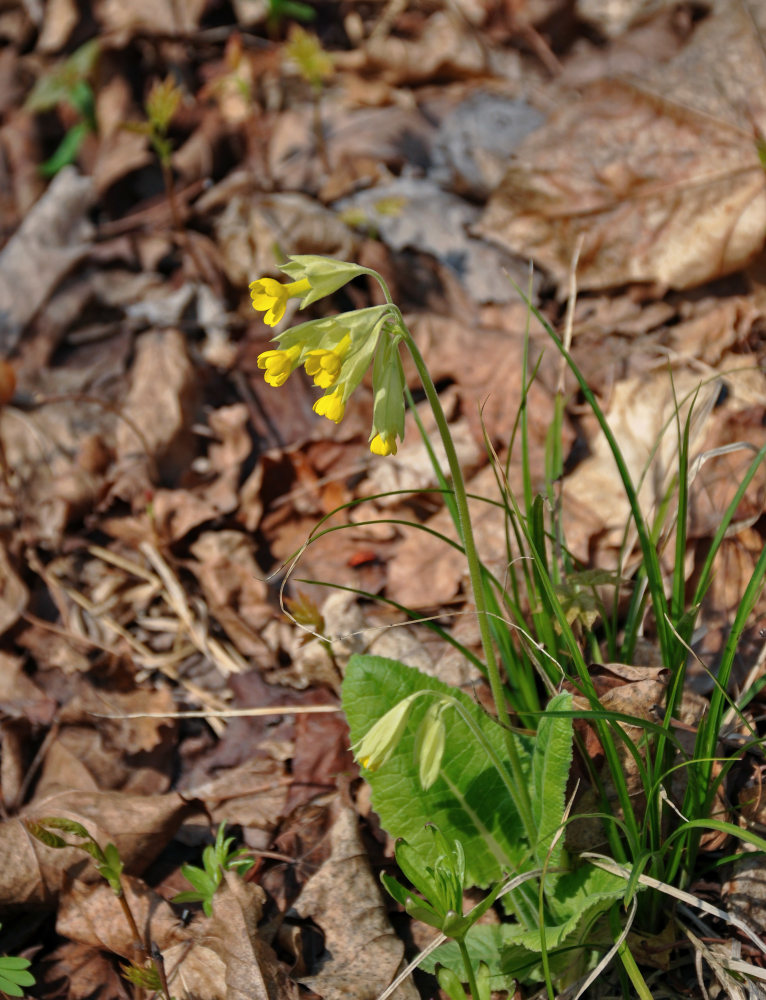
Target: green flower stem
474, 569
474, 566
473, 988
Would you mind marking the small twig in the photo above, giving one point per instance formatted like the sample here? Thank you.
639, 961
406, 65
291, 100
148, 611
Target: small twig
230, 713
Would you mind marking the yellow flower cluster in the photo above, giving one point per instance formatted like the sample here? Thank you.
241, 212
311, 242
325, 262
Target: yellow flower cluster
336, 352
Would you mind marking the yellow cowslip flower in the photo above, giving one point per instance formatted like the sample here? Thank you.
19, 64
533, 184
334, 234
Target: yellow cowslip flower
383, 444
377, 746
324, 365
270, 296
331, 405
279, 365
388, 398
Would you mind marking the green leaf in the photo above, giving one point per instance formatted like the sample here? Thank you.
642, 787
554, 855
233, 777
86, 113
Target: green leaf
485, 943
575, 900
67, 150
202, 881
67, 825
396, 889
449, 981
468, 801
551, 761
14, 975
82, 61
46, 837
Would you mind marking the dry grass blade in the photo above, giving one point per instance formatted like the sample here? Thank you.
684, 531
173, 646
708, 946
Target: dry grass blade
610, 866
723, 967
226, 713
225, 657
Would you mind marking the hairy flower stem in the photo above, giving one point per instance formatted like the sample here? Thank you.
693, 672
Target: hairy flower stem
473, 988
474, 569
477, 586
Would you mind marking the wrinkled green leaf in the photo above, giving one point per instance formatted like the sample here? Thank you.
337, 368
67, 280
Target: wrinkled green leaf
551, 762
468, 801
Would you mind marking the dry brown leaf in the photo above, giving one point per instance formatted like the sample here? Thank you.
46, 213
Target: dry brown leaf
414, 213
140, 827
640, 413
92, 915
250, 227
85, 973
252, 795
236, 595
152, 17
61, 16
612, 17
446, 48
53, 237
656, 192
120, 150
160, 405
426, 572
13, 592
20, 697
128, 755
744, 891
344, 899
363, 145
252, 969
485, 364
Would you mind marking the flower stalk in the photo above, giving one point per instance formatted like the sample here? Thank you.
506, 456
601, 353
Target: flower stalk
337, 352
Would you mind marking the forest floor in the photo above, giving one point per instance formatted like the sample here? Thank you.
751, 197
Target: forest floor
155, 158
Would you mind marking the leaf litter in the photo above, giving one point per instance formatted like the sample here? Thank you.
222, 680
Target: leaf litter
153, 489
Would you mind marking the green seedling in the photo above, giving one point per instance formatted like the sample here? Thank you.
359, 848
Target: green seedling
217, 858
14, 975
109, 865
161, 107
315, 65
439, 901
69, 86
278, 11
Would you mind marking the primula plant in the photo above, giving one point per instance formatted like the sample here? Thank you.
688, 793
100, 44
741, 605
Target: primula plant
483, 800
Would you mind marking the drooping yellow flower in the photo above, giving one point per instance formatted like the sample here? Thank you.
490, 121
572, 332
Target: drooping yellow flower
324, 365
383, 444
331, 406
270, 296
279, 365
377, 746
388, 400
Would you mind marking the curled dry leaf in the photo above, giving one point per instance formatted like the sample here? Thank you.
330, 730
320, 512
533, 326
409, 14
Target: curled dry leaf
53, 237
252, 971
160, 406
344, 898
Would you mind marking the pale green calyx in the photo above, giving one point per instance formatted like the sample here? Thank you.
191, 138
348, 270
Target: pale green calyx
430, 741
379, 743
325, 275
